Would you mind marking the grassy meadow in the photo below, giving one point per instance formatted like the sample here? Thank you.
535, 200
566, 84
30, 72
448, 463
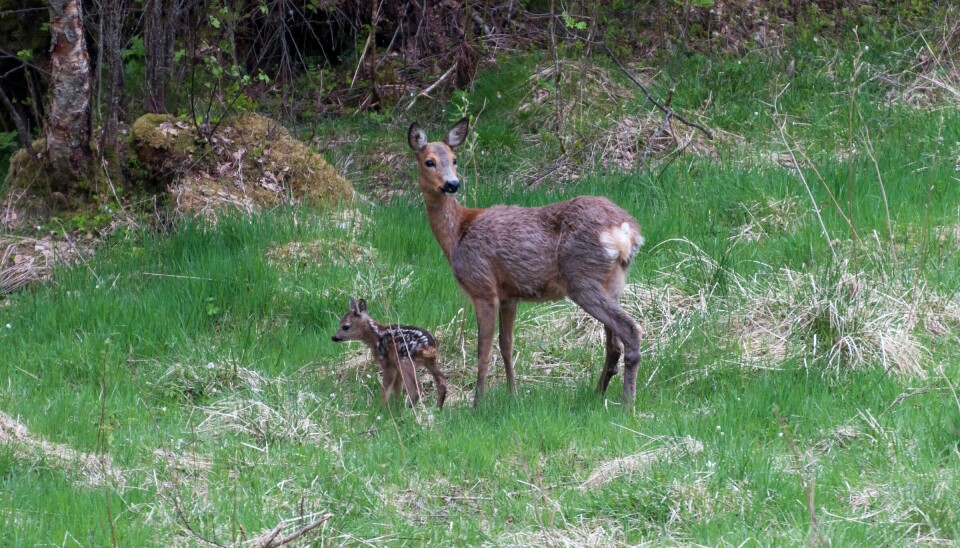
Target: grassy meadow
800, 370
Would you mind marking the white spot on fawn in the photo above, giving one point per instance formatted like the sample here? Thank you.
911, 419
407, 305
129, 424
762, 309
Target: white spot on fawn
620, 242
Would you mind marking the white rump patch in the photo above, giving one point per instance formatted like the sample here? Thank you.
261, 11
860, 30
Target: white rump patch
621, 242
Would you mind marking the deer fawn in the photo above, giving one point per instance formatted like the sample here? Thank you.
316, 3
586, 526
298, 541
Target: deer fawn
395, 348
501, 255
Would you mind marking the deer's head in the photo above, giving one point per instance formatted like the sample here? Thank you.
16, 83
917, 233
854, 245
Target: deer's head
354, 324
436, 161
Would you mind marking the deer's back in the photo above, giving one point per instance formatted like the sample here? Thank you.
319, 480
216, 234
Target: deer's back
405, 341
536, 253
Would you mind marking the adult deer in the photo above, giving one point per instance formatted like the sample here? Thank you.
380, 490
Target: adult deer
581, 249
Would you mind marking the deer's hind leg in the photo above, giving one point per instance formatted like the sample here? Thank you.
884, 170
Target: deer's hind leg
429, 362
604, 307
614, 351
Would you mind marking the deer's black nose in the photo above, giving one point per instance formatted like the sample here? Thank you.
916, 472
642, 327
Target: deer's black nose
451, 187
335, 338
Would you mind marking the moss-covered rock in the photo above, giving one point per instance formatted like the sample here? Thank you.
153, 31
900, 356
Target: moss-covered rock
26, 173
247, 162
161, 142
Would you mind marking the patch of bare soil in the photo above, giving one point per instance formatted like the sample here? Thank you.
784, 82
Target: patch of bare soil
88, 469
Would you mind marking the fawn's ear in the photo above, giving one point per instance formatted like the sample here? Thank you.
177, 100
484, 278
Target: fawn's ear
416, 137
353, 305
362, 305
458, 133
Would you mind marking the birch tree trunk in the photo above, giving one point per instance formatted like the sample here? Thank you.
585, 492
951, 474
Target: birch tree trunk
68, 117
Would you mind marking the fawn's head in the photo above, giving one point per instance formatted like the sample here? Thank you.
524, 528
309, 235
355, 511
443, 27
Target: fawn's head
354, 324
436, 161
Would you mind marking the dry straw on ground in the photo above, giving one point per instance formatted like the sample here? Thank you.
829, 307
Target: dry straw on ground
639, 462
571, 535
88, 469
297, 420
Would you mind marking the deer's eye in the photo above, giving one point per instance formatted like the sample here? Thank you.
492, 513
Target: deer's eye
430, 163
454, 161
345, 328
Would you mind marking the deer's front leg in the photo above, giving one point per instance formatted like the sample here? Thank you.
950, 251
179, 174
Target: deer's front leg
486, 322
508, 314
388, 383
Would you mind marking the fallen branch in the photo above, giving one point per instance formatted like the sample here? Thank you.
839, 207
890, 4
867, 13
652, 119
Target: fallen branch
666, 109
433, 86
271, 541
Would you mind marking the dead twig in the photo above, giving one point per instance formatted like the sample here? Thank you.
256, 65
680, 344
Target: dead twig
903, 396
783, 137
666, 109
271, 540
433, 86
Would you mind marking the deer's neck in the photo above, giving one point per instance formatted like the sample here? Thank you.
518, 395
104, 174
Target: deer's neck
372, 332
446, 220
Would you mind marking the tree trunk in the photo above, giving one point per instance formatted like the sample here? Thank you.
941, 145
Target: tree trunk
112, 44
21, 126
159, 37
68, 119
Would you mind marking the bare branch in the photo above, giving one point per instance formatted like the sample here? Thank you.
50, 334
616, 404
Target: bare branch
666, 109
271, 539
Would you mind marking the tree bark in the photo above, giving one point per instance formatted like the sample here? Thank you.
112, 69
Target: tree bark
68, 119
112, 44
159, 36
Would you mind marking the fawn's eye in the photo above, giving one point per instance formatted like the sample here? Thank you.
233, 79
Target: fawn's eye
454, 161
346, 328
430, 163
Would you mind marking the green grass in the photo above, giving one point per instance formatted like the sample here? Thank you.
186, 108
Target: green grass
212, 349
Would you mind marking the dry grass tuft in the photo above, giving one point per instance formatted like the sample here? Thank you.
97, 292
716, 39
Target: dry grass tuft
290, 421
613, 469
772, 217
24, 261
88, 469
338, 252
584, 533
430, 500
847, 319
191, 381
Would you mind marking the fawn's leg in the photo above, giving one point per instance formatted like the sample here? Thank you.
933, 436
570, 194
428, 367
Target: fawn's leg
508, 314
430, 363
604, 307
486, 321
409, 376
614, 351
388, 383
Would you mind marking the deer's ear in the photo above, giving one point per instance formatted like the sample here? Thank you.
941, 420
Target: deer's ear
416, 137
353, 305
362, 305
458, 133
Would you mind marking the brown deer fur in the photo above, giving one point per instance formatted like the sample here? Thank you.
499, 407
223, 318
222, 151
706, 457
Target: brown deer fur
581, 249
396, 349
